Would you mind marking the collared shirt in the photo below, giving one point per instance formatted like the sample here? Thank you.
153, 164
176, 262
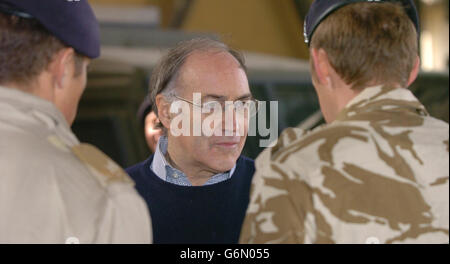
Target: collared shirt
166, 172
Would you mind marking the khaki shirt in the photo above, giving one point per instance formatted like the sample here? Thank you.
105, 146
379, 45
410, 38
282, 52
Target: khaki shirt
54, 189
378, 174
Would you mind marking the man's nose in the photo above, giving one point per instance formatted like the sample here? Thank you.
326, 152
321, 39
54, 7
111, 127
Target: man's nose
230, 121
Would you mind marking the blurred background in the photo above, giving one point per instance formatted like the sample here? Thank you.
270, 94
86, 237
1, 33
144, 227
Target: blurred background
135, 34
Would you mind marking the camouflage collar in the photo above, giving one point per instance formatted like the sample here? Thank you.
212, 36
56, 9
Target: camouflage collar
382, 98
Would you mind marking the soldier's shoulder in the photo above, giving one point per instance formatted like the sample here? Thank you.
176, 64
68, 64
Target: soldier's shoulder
93, 161
436, 124
33, 150
295, 140
52, 157
102, 167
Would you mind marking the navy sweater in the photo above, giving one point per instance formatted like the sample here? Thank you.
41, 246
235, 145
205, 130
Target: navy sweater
195, 214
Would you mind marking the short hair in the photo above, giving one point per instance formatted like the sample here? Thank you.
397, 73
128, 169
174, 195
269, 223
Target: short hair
369, 43
166, 71
26, 49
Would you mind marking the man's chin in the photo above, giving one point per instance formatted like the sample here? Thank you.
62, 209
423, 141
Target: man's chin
222, 165
222, 158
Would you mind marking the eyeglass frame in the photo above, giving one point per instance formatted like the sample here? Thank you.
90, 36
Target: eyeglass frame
223, 107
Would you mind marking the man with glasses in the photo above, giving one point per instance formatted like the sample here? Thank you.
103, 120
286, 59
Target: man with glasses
197, 183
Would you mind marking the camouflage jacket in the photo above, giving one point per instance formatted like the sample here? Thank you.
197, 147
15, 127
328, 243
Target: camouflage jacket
378, 174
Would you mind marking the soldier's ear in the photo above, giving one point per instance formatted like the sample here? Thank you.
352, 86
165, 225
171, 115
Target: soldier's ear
415, 71
321, 66
60, 66
163, 110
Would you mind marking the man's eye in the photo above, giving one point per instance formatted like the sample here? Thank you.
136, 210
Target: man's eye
243, 103
211, 106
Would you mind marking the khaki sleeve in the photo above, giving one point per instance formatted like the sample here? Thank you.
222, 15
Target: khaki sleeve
125, 218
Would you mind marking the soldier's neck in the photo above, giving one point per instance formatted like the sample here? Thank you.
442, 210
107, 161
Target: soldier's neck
40, 86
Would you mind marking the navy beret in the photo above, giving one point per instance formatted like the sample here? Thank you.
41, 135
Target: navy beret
320, 9
71, 21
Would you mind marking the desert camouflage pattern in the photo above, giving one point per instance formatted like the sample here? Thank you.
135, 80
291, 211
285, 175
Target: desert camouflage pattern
378, 174
53, 189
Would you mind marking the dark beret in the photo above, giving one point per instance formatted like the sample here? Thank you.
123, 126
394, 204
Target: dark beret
320, 9
71, 21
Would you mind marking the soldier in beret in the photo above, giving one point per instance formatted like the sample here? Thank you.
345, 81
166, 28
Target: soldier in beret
378, 171
54, 189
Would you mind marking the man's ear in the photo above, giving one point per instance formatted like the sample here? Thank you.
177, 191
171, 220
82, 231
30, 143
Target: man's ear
321, 65
60, 65
414, 72
163, 110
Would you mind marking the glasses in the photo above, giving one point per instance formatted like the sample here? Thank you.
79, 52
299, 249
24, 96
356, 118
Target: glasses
241, 107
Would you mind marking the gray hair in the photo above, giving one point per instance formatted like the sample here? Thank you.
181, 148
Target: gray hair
165, 74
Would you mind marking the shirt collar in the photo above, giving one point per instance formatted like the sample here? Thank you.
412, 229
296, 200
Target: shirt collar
159, 161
